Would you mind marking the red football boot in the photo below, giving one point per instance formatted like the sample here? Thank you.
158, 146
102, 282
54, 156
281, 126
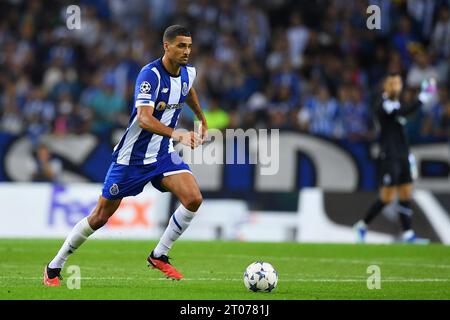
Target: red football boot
162, 263
55, 277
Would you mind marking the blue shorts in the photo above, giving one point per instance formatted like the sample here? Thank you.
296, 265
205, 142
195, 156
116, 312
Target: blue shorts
124, 181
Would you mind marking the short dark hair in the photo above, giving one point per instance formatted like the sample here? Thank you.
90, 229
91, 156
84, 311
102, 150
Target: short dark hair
393, 74
176, 30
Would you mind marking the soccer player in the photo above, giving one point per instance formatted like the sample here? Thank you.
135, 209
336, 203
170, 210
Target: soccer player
395, 175
145, 154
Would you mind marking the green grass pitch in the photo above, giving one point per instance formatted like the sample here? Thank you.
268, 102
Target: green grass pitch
112, 269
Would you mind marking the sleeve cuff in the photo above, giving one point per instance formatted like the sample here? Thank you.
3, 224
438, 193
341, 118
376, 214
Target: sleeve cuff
146, 103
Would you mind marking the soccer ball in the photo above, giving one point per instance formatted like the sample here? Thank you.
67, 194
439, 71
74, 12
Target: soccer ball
260, 276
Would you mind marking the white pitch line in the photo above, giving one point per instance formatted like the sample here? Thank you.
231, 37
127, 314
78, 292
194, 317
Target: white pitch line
236, 279
320, 260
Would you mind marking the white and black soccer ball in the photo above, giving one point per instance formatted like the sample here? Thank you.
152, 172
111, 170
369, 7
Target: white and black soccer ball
260, 276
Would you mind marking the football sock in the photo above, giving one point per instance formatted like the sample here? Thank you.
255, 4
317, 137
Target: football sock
178, 223
76, 237
373, 211
405, 212
361, 224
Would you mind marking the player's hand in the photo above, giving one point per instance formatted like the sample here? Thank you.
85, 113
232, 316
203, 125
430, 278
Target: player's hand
190, 139
428, 92
204, 131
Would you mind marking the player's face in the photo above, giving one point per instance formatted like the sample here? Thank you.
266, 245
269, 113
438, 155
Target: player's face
393, 86
179, 49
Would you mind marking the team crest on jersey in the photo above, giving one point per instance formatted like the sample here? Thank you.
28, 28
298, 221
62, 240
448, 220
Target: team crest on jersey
160, 106
185, 90
114, 190
145, 87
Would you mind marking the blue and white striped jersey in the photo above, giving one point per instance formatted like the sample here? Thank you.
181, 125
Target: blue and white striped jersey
166, 93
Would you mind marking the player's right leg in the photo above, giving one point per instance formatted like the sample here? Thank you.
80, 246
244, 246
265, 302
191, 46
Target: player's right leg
387, 179
104, 209
386, 196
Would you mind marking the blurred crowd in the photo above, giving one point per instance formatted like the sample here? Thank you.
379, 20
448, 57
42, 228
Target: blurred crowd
309, 66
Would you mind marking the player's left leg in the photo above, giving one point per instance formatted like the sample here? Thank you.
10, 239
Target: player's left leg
185, 188
405, 211
405, 187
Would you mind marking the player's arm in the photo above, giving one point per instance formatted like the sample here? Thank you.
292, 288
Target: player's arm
410, 108
193, 103
390, 108
148, 122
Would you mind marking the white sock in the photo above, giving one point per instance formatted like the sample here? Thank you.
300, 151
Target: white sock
407, 234
74, 240
178, 223
361, 224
